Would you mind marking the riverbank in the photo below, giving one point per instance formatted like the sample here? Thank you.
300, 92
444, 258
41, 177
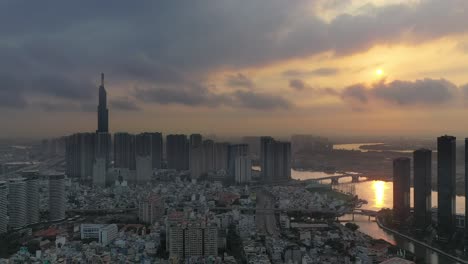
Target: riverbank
421, 243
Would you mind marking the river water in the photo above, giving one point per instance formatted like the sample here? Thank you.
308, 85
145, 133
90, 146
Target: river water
379, 194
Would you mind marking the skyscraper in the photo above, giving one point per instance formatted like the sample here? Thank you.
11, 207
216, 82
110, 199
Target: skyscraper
56, 197
401, 189
422, 160
103, 112
446, 166
177, 149
3, 206
17, 203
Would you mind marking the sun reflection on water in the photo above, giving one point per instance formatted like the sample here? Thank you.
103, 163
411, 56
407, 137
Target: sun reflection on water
379, 191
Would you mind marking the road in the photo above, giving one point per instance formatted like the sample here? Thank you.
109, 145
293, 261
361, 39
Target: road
266, 221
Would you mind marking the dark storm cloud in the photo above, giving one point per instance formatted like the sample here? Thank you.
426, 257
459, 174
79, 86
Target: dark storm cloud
168, 42
63, 88
239, 80
58, 107
124, 104
199, 95
426, 92
260, 101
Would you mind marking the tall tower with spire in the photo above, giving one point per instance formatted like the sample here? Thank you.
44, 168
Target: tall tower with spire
103, 112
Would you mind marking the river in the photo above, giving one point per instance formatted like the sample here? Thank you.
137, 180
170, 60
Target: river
379, 194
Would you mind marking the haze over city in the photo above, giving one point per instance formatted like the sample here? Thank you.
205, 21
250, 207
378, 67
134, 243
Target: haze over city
233, 68
259, 131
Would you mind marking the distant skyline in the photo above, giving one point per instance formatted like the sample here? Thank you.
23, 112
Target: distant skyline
233, 68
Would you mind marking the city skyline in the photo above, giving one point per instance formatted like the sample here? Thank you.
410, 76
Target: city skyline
315, 67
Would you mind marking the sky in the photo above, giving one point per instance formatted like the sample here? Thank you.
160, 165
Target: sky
257, 67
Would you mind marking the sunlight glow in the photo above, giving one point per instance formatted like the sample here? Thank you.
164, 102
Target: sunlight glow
379, 72
379, 191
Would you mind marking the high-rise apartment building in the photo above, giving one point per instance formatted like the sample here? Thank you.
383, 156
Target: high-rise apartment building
80, 155
17, 203
243, 169
124, 151
192, 238
422, 166
3, 207
446, 172
401, 189
177, 149
156, 150
32, 196
151, 209
221, 156
57, 202
235, 151
276, 160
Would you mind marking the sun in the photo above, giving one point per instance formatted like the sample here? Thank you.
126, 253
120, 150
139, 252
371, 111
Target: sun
379, 72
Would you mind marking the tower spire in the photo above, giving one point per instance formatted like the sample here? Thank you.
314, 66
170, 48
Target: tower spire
102, 79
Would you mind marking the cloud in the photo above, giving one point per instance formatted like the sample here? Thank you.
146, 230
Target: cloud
239, 80
425, 92
60, 53
297, 84
58, 107
123, 104
317, 72
199, 95
261, 101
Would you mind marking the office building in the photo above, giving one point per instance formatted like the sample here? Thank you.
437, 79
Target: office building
102, 111
57, 196
104, 234
243, 169
401, 189
151, 209
124, 151
177, 150
446, 172
17, 203
235, 151
276, 160
422, 166
3, 207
